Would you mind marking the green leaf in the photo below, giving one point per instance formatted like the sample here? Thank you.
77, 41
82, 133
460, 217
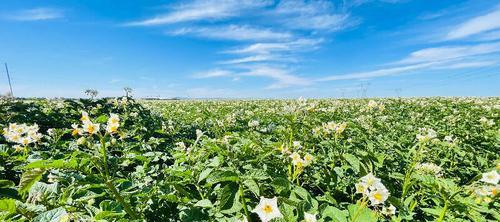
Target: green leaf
252, 186
224, 176
204, 174
28, 178
205, 203
6, 184
55, 215
335, 214
281, 185
361, 214
229, 199
53, 164
8, 205
353, 161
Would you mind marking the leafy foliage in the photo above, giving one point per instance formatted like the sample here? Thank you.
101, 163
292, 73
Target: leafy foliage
216, 160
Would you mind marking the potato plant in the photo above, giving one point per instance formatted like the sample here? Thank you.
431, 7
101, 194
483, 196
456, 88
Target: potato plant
425, 159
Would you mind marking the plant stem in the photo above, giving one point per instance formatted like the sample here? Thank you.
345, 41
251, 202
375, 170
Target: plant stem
443, 212
120, 199
243, 201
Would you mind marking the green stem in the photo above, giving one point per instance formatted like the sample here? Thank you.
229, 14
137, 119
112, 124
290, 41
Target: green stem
120, 199
110, 184
356, 215
243, 201
443, 212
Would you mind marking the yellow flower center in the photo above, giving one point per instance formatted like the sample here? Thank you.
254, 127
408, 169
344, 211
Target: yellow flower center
267, 209
90, 128
378, 196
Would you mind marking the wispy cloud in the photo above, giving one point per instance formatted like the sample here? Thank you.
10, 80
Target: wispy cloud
255, 58
450, 52
234, 32
312, 15
267, 48
202, 10
35, 14
283, 77
213, 73
476, 25
379, 72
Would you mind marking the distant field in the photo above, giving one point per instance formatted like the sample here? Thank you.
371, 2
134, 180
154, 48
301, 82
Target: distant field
427, 159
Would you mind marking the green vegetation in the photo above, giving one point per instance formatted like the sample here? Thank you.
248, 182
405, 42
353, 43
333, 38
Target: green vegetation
429, 159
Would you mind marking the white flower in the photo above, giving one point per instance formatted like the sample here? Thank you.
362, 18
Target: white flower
370, 180
113, 123
309, 217
85, 117
267, 209
296, 159
308, 159
90, 127
491, 177
429, 168
389, 211
253, 123
371, 187
378, 196
297, 145
199, 133
361, 188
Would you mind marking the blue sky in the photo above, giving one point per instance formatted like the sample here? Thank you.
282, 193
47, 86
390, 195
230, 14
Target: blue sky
252, 48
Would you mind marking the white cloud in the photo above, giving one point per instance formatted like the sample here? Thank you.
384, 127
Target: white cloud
202, 10
379, 72
36, 14
450, 52
213, 73
490, 36
437, 65
235, 32
282, 51
465, 65
476, 25
255, 58
283, 77
321, 22
311, 15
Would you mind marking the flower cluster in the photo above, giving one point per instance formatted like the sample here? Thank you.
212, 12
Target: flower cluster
486, 122
299, 162
371, 187
253, 123
429, 168
113, 123
374, 105
330, 128
486, 192
426, 134
22, 134
92, 128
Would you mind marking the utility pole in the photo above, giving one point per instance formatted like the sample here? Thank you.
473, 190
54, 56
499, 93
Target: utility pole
8, 77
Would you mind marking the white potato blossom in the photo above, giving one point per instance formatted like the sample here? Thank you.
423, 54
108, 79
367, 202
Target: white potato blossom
429, 168
389, 211
297, 145
426, 134
371, 187
22, 134
267, 209
486, 122
310, 217
113, 123
253, 123
491, 177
